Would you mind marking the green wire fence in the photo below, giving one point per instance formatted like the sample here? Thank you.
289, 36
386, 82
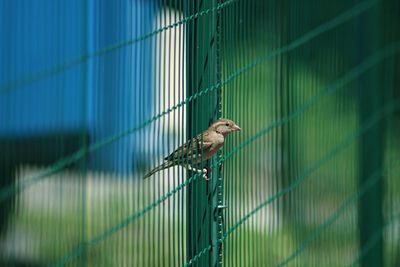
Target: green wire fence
94, 94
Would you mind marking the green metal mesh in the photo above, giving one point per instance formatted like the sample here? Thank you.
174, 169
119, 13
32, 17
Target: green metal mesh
311, 180
315, 96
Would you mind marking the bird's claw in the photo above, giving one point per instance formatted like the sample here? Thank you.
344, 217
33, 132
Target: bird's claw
206, 170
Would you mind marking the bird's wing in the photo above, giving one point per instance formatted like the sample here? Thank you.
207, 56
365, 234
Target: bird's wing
192, 150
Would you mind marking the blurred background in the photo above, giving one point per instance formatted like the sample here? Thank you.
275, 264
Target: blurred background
93, 94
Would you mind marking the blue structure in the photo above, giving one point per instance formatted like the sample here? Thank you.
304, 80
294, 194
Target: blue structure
71, 70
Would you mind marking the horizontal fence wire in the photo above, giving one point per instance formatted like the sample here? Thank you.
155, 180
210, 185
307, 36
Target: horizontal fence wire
374, 239
388, 110
353, 12
81, 248
370, 182
274, 163
4, 88
354, 73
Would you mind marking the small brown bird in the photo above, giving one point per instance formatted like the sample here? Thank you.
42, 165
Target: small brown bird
200, 148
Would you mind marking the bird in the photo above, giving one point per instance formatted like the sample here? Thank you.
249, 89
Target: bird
200, 148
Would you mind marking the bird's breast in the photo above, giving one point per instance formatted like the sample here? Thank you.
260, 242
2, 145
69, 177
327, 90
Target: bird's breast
219, 139
217, 142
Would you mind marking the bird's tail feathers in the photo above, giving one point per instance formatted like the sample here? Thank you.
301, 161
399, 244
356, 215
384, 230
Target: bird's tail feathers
163, 166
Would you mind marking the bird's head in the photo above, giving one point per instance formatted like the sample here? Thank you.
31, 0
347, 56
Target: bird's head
224, 127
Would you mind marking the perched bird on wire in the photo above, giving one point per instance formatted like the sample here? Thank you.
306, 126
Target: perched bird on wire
200, 148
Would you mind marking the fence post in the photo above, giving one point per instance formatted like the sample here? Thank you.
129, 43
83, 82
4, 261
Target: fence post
371, 146
202, 73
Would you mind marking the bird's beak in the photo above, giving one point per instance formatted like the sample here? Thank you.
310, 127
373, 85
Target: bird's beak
236, 128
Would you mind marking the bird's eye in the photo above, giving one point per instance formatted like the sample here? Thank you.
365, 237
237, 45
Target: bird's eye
227, 124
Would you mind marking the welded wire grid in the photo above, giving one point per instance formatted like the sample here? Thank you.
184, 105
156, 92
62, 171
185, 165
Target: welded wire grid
95, 94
